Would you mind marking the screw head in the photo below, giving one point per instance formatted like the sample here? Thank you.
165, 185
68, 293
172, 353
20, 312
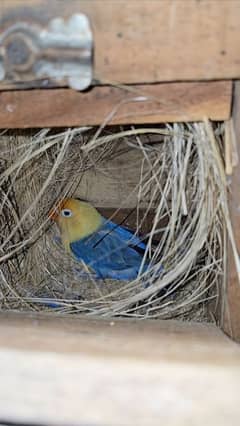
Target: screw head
19, 52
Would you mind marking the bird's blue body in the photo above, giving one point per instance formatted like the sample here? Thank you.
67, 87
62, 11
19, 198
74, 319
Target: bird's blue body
107, 249
111, 252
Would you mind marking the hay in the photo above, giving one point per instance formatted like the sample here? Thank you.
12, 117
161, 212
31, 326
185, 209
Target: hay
180, 180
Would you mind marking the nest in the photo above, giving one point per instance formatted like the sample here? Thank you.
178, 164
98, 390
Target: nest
170, 178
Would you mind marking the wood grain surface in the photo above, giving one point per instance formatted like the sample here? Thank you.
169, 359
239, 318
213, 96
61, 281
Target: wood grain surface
232, 304
75, 371
147, 41
138, 104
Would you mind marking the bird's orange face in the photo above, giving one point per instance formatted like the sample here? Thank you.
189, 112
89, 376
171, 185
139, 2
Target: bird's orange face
63, 208
76, 219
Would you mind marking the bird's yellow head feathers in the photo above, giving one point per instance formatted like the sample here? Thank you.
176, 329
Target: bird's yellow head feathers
76, 220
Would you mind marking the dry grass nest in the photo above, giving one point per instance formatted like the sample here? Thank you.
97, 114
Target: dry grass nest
179, 183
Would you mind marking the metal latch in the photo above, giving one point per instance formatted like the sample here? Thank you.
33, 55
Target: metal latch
61, 53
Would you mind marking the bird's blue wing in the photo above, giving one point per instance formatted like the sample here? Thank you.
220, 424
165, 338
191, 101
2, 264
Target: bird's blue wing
125, 234
110, 252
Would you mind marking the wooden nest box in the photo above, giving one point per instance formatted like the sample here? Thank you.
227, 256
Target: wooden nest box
66, 64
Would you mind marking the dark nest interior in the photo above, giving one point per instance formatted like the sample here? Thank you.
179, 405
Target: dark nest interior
164, 182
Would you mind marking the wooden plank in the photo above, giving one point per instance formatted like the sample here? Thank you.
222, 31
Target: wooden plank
231, 323
164, 103
148, 41
120, 338
75, 371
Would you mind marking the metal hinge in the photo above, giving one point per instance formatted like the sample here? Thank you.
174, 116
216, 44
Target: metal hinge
62, 52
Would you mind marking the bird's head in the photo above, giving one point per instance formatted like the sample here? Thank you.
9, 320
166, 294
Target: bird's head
76, 219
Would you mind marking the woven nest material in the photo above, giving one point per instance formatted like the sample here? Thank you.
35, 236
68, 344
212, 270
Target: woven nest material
178, 181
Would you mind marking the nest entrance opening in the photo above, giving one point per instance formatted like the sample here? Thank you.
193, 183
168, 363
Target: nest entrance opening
162, 183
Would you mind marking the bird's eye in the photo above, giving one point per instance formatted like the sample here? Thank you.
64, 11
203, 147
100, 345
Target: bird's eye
66, 213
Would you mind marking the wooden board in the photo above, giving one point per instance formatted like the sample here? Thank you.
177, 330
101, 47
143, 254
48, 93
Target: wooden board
147, 41
75, 371
232, 306
136, 104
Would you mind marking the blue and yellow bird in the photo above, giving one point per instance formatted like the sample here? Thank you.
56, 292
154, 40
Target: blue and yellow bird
109, 250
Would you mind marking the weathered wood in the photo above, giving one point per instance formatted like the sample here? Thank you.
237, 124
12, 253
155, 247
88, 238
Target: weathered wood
232, 303
122, 338
163, 103
74, 371
147, 41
